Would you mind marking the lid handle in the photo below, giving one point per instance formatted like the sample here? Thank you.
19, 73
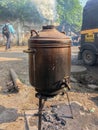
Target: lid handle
32, 33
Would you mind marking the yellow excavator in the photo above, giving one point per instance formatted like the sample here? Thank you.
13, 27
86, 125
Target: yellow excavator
89, 33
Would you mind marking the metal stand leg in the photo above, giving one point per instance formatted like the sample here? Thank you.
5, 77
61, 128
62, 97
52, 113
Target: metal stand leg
69, 104
41, 105
40, 114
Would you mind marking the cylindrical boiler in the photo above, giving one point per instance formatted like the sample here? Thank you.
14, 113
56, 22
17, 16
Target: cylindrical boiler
49, 60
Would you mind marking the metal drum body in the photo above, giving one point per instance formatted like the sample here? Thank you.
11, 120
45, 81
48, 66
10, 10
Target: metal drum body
49, 62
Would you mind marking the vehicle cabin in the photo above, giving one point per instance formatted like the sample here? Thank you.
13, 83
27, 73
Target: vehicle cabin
89, 33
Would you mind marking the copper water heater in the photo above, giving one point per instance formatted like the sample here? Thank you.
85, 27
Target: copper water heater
49, 60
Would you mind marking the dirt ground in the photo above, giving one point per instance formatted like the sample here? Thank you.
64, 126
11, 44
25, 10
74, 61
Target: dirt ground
25, 99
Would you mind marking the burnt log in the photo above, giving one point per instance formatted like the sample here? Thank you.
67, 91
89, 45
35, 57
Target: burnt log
17, 83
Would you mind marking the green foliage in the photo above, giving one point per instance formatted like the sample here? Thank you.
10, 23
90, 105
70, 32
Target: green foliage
19, 9
70, 13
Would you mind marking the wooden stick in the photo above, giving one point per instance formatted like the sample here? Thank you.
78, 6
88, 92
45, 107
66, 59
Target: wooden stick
15, 79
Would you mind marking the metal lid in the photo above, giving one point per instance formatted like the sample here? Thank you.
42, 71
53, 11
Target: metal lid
48, 35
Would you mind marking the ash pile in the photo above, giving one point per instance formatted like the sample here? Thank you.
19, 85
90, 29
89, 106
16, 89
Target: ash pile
58, 117
52, 120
